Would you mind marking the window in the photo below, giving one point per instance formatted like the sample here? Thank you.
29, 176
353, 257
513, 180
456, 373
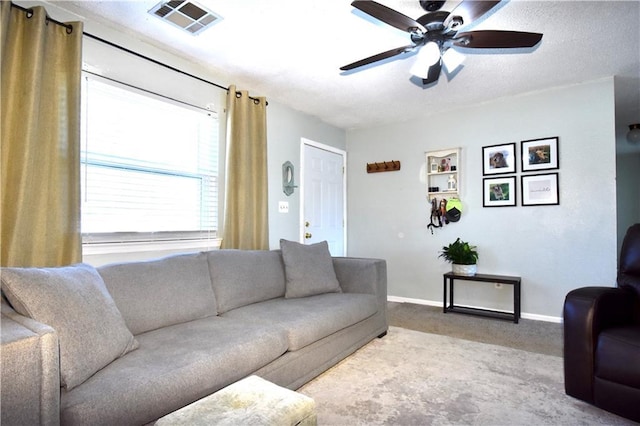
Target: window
149, 166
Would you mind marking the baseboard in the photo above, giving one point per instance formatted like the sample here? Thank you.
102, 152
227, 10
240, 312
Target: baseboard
546, 318
523, 315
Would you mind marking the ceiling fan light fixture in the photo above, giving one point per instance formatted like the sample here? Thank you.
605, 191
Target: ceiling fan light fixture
634, 133
452, 60
428, 55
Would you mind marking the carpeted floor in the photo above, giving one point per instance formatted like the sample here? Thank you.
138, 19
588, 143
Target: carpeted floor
528, 335
415, 378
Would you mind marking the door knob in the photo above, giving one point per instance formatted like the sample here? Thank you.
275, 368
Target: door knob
307, 235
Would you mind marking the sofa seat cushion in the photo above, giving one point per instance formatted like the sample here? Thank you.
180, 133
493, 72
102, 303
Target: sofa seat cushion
618, 355
74, 301
174, 366
243, 277
162, 292
309, 319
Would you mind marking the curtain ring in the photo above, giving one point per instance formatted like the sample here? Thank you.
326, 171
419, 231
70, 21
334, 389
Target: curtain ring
238, 95
69, 28
29, 13
256, 101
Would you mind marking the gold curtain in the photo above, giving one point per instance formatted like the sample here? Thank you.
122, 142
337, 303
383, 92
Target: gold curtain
40, 158
246, 217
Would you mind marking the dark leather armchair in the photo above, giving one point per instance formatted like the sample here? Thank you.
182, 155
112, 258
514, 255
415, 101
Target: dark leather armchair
602, 338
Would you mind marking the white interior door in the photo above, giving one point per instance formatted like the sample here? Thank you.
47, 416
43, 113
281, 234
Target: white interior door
323, 214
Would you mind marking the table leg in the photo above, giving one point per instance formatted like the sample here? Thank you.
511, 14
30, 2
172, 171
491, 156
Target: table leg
444, 295
516, 302
451, 303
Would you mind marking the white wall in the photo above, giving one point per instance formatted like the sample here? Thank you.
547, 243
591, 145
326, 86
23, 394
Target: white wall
628, 193
553, 248
285, 128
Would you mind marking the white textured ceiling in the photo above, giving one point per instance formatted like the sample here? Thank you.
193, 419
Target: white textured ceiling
291, 50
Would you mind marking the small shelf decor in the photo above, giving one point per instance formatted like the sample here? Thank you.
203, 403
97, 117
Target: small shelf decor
443, 181
443, 174
385, 166
462, 256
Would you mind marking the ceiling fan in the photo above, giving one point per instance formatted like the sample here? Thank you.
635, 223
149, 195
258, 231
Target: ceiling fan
435, 32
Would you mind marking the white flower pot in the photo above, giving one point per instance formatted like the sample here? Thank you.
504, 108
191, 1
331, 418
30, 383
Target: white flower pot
466, 270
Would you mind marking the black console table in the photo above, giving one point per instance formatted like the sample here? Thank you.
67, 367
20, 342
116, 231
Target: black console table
502, 279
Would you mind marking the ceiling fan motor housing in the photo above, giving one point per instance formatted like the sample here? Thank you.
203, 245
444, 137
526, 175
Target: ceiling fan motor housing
431, 6
433, 21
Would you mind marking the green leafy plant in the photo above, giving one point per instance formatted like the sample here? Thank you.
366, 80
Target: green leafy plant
460, 252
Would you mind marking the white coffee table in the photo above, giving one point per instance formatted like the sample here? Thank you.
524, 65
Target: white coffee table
250, 401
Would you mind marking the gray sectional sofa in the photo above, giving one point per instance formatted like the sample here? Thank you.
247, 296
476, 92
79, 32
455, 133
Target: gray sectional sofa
128, 343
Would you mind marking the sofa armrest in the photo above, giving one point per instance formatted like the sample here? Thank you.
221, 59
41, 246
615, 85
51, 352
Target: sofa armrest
587, 311
29, 366
360, 275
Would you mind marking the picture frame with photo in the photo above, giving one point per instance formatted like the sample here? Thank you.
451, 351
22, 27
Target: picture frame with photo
499, 159
540, 154
499, 192
540, 189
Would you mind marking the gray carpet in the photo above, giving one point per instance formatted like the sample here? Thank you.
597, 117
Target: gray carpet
414, 378
533, 336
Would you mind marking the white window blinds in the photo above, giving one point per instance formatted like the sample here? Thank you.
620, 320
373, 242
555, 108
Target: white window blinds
149, 166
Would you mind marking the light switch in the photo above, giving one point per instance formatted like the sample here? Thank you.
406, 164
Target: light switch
283, 207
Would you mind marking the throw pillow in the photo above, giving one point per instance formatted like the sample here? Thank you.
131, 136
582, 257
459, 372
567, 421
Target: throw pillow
75, 302
308, 269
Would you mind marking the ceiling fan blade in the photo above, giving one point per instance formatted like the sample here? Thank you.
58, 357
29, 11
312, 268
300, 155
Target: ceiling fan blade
434, 73
495, 39
470, 10
387, 15
378, 57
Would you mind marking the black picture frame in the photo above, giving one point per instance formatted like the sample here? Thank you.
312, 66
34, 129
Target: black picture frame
540, 189
499, 192
539, 154
499, 159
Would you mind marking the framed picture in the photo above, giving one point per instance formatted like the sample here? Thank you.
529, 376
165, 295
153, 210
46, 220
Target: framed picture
539, 190
539, 154
499, 159
499, 192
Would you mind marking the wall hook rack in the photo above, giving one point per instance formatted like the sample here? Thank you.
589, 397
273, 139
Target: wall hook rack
385, 166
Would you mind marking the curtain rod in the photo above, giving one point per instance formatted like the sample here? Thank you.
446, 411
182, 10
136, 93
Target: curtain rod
117, 46
29, 13
69, 28
208, 111
162, 64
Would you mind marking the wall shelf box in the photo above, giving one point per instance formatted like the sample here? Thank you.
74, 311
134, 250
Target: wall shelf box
443, 173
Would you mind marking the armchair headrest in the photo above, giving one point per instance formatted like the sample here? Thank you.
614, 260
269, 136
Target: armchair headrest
629, 268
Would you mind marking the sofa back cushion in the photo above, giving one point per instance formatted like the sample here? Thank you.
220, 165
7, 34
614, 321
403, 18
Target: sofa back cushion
74, 301
162, 292
243, 277
308, 269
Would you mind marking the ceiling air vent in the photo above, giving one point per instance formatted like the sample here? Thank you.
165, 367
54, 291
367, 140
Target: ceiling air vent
187, 15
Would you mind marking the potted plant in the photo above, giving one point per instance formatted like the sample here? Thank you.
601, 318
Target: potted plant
462, 256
